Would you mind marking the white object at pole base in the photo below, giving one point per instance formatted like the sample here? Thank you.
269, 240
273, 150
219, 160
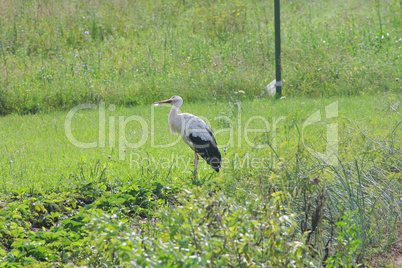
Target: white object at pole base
271, 88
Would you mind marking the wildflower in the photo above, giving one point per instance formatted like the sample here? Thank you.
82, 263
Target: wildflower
323, 41
235, 103
76, 56
241, 91
86, 32
238, 14
225, 149
109, 156
84, 65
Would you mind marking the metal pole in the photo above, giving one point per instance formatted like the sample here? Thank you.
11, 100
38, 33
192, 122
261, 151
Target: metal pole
278, 49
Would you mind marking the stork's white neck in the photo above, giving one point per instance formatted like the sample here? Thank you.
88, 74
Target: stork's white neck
175, 122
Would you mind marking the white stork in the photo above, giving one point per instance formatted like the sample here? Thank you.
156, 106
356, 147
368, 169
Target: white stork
195, 133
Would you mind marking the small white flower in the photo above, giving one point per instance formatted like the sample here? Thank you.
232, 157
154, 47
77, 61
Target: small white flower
241, 91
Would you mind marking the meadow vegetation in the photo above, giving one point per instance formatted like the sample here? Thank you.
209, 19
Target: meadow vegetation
131, 200
56, 54
67, 205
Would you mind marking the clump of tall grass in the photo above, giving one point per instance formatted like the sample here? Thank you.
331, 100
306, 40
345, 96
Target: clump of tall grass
346, 208
355, 205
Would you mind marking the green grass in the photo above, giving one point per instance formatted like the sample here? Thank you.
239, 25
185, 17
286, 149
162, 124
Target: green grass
55, 55
36, 152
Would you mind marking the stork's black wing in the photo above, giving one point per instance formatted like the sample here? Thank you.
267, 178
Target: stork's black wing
208, 149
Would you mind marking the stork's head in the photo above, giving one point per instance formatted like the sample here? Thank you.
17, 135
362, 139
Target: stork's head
176, 100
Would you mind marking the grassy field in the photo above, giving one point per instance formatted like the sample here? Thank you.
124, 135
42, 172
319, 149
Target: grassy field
41, 166
56, 54
30, 160
90, 175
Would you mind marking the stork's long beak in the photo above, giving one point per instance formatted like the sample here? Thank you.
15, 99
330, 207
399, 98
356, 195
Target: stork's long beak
165, 101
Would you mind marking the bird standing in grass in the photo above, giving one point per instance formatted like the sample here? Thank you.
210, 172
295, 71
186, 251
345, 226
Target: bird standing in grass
195, 133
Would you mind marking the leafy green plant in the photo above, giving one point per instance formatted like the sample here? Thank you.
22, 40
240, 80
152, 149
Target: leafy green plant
214, 231
52, 228
347, 251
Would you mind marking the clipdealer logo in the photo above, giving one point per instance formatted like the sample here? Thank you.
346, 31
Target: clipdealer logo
110, 125
330, 156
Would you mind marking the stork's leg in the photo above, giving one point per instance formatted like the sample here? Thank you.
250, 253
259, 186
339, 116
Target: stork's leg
195, 164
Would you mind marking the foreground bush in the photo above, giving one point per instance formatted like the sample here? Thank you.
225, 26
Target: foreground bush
206, 232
